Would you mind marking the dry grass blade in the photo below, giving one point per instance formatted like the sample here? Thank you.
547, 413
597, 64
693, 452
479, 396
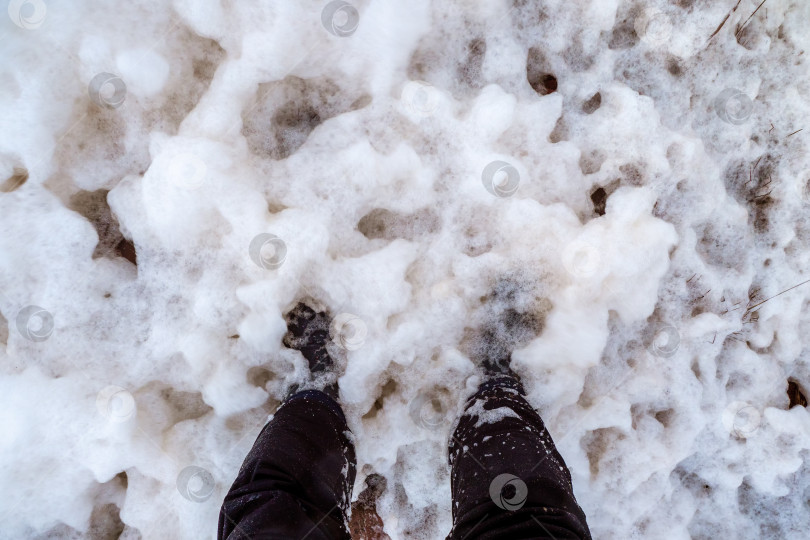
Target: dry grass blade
749, 18
723, 22
751, 308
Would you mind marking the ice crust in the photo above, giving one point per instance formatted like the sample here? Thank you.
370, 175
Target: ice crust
364, 153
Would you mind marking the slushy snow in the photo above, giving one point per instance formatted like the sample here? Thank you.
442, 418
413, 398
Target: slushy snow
174, 176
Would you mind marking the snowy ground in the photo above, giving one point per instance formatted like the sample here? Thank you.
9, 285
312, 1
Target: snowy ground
250, 154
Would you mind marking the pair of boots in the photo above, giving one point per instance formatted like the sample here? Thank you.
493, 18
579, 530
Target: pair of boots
507, 479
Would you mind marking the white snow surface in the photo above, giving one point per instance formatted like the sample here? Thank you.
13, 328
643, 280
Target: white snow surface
361, 144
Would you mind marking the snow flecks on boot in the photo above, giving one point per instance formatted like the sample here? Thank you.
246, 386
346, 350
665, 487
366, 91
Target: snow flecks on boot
512, 315
308, 332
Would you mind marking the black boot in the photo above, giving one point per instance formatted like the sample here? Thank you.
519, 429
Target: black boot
511, 316
308, 332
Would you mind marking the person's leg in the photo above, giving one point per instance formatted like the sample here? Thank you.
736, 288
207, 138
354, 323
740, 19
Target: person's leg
508, 480
296, 481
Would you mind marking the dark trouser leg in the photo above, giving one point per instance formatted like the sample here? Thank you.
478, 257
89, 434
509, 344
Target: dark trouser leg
508, 480
296, 481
